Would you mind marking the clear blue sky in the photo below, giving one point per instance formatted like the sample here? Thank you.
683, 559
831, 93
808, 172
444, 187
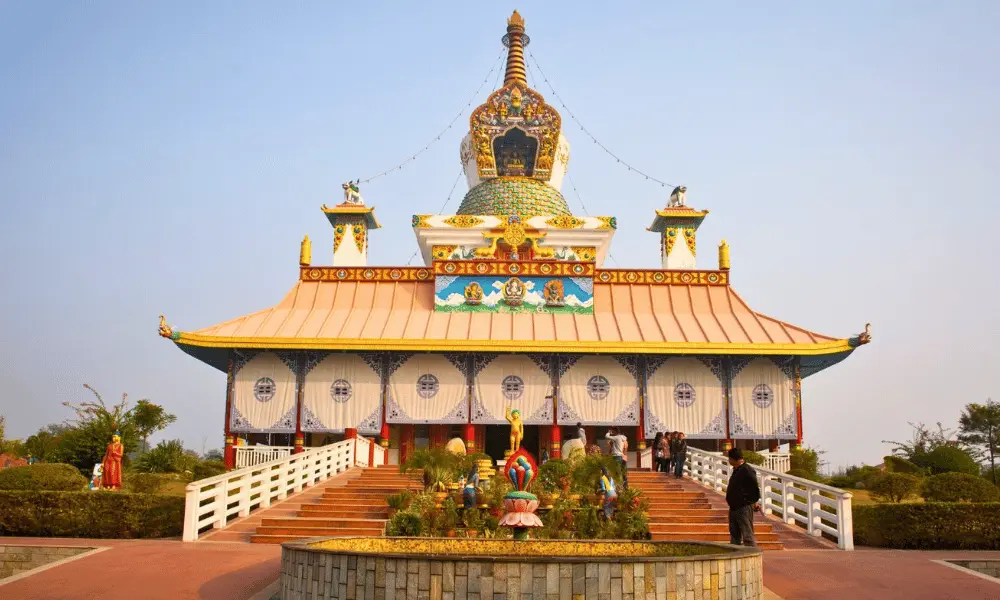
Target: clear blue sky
168, 157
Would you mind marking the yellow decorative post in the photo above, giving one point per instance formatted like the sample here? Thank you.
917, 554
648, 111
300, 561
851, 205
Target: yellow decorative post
723, 256
305, 252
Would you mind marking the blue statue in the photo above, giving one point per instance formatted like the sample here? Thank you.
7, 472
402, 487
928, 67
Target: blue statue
469, 492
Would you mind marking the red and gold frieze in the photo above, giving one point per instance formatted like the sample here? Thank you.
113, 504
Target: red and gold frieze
365, 274
662, 277
476, 267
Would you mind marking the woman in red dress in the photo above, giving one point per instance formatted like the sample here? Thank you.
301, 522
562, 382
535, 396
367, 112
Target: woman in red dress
112, 477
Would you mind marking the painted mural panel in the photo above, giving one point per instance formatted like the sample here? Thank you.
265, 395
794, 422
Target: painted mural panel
598, 390
342, 391
685, 394
763, 399
427, 388
517, 381
491, 293
264, 393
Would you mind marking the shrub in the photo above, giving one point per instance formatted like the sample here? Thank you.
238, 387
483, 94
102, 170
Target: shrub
805, 459
958, 487
110, 515
142, 483
806, 475
928, 526
585, 473
404, 524
52, 477
897, 464
551, 474
166, 457
894, 487
208, 468
950, 459
754, 458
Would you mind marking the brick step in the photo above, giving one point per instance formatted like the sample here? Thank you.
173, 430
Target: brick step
706, 518
306, 532
349, 502
708, 536
364, 491
275, 539
763, 545
673, 506
758, 528
673, 496
350, 523
328, 512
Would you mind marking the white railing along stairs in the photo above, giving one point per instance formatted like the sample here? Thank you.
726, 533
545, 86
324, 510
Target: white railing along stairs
817, 508
249, 456
214, 501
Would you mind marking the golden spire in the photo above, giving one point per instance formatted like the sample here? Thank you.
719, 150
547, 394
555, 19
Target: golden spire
723, 256
305, 252
515, 40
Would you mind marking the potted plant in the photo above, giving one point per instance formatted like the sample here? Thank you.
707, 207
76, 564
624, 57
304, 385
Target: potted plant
398, 502
436, 480
449, 514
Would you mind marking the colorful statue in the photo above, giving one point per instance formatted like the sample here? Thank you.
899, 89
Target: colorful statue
111, 466
516, 429
471, 485
609, 493
352, 194
677, 197
473, 294
553, 292
513, 292
519, 504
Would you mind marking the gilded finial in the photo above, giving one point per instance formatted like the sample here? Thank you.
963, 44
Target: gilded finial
866, 335
305, 252
515, 40
724, 256
165, 330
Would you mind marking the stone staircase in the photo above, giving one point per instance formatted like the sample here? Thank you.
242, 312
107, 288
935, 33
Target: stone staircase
680, 509
355, 509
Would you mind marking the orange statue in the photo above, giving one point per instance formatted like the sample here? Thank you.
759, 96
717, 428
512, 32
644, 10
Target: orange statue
112, 478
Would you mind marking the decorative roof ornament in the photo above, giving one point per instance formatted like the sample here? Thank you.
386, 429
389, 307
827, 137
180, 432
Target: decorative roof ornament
515, 40
678, 197
352, 194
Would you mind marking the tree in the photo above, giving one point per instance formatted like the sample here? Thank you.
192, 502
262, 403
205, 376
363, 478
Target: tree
12, 447
214, 454
979, 427
44, 445
923, 442
86, 438
150, 418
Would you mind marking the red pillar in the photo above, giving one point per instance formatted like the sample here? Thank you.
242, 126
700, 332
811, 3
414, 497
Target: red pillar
470, 438
406, 442
728, 442
350, 434
300, 438
556, 437
229, 454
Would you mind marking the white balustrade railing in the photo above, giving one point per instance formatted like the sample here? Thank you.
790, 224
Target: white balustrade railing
362, 451
215, 501
817, 508
250, 456
777, 461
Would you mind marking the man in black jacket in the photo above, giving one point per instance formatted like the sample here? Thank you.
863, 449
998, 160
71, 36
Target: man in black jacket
743, 498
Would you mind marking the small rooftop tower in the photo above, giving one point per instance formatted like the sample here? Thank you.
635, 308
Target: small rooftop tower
677, 225
351, 221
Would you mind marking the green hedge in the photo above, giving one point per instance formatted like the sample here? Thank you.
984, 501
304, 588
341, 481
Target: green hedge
928, 526
53, 477
959, 487
110, 515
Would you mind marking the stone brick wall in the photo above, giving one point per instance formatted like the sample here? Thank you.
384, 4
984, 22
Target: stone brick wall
986, 567
313, 574
18, 559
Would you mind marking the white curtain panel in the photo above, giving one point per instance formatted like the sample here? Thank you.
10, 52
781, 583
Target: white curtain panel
341, 392
683, 394
598, 390
264, 396
763, 400
514, 381
428, 388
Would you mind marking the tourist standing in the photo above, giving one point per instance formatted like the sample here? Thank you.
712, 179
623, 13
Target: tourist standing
657, 452
678, 453
664, 449
743, 498
618, 444
581, 434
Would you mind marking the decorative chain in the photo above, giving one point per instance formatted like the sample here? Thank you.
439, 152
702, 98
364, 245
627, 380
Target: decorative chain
584, 129
427, 146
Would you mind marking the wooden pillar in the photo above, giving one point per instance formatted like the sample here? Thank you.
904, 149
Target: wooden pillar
727, 362
556, 435
229, 454
350, 433
469, 434
299, 385
772, 445
470, 438
406, 441
798, 405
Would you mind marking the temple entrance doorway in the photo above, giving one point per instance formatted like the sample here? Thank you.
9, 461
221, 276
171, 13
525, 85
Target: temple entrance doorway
498, 440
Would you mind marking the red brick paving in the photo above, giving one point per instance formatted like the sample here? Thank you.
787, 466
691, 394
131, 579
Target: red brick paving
150, 569
874, 574
174, 570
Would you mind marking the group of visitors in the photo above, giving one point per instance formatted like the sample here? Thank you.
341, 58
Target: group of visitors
669, 452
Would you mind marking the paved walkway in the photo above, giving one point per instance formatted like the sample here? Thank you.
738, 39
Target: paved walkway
173, 570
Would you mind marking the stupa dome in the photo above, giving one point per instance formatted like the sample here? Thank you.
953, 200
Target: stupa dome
514, 196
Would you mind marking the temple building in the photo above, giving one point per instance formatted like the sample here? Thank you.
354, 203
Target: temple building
513, 309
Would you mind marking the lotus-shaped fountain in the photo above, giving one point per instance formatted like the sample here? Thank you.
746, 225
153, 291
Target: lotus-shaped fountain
520, 505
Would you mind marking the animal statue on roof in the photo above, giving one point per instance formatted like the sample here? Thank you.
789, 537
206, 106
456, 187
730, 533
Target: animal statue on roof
677, 197
352, 194
866, 335
165, 330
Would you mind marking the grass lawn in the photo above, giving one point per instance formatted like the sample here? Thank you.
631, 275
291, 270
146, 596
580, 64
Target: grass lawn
864, 498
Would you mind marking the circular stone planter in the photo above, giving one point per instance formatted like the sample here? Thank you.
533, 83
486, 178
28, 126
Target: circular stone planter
477, 569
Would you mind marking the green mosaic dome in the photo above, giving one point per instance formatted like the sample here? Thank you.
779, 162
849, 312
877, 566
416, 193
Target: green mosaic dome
514, 196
